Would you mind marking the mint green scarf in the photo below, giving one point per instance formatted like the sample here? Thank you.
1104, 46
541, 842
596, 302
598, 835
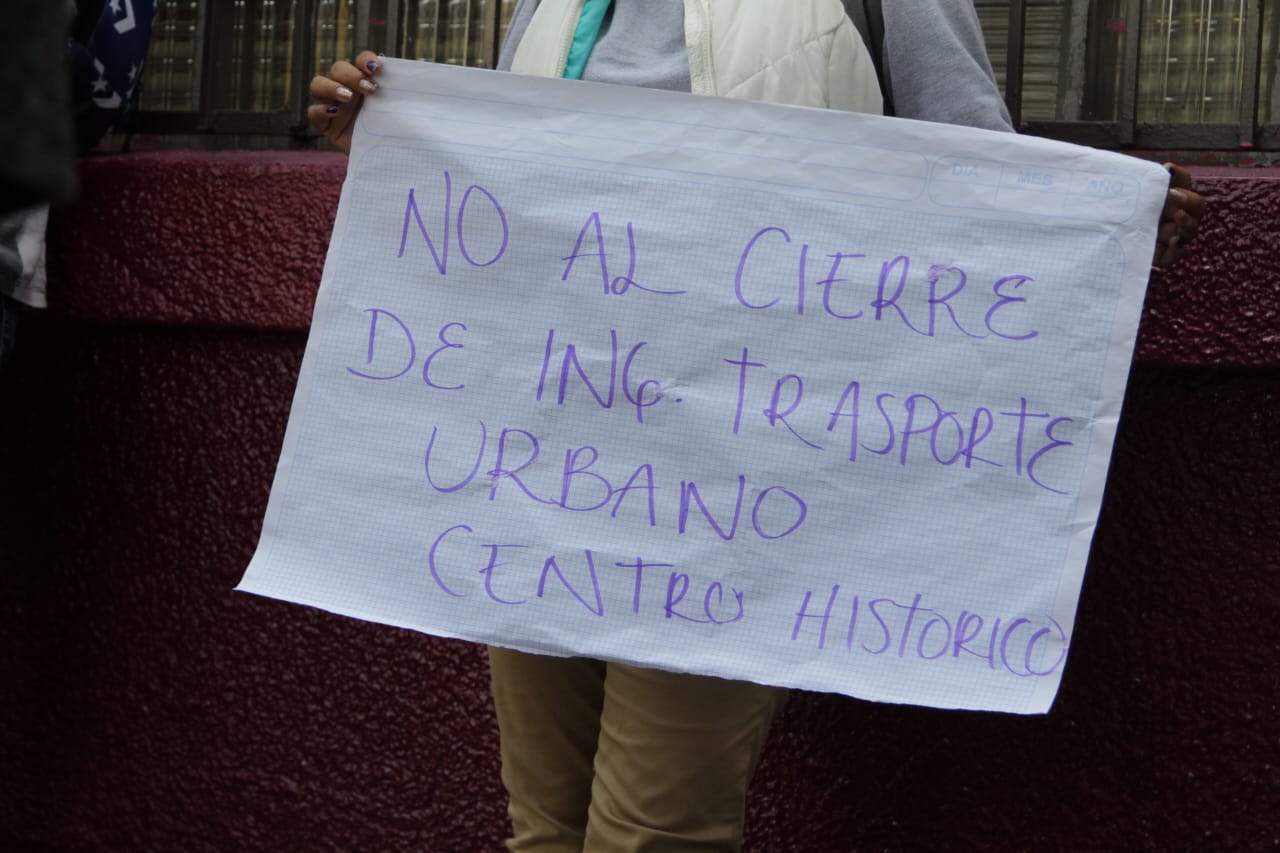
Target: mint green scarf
584, 37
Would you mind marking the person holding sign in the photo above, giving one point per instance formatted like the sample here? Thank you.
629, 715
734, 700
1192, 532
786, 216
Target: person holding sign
604, 756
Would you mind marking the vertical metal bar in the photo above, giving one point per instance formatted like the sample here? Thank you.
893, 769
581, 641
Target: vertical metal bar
393, 28
191, 43
426, 38
1015, 59
305, 28
1129, 79
1205, 55
289, 19
324, 27
491, 32
1164, 70
204, 64
1269, 64
436, 43
459, 32
239, 36
1251, 47
158, 84
265, 60
1241, 16
1075, 75
362, 10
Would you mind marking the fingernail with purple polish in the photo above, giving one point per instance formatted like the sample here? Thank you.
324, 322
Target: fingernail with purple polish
332, 108
373, 65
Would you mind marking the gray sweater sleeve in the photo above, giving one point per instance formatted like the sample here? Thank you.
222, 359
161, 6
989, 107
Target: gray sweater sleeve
515, 31
937, 64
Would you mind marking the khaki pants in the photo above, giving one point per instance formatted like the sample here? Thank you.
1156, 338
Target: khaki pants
608, 758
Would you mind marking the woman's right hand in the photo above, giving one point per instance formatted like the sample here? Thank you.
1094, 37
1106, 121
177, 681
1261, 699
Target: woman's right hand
340, 96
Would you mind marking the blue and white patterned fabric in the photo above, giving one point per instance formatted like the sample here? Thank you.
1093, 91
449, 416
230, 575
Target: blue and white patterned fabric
106, 68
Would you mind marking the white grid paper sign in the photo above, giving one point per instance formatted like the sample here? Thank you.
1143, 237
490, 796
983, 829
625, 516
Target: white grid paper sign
801, 397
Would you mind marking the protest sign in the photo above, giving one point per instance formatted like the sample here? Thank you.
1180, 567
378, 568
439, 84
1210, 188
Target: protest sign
801, 397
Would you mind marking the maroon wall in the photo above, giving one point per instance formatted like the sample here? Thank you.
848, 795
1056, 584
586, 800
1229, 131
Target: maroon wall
147, 707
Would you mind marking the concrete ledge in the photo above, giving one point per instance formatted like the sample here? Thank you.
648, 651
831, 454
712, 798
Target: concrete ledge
230, 240
238, 239
1220, 307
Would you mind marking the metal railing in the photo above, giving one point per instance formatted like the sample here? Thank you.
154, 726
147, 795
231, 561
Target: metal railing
242, 67
1168, 74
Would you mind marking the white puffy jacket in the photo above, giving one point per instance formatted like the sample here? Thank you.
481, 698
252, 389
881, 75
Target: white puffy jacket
783, 51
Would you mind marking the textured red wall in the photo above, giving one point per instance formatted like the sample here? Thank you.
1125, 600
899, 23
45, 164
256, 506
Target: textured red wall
147, 707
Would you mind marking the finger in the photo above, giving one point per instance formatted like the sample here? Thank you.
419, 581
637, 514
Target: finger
1188, 226
335, 102
322, 116
1181, 213
1169, 248
1188, 201
1166, 256
331, 91
334, 122
369, 62
353, 77
1179, 177
1184, 208
1178, 199
1183, 197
